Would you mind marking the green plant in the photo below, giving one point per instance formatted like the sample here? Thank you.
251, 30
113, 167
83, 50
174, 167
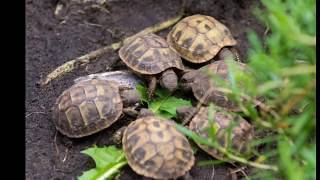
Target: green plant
283, 70
164, 104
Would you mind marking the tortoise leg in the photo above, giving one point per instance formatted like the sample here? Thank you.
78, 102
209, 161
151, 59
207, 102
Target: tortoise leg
130, 97
236, 53
117, 136
130, 111
228, 53
144, 112
186, 113
187, 176
187, 80
169, 80
152, 86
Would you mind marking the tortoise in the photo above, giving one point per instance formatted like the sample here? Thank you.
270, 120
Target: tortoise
199, 38
155, 149
151, 56
204, 89
90, 106
241, 133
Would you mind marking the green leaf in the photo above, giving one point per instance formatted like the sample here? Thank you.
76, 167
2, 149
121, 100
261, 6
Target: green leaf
108, 162
143, 93
88, 174
163, 104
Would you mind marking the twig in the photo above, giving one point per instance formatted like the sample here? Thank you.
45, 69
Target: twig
239, 169
34, 113
87, 58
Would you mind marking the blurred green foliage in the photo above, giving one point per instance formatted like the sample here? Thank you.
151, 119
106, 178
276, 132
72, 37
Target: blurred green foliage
283, 71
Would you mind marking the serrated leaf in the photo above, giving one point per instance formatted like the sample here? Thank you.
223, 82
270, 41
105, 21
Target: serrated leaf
172, 103
168, 105
164, 104
108, 162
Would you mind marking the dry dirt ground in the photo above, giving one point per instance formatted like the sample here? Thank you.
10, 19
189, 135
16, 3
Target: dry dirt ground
51, 40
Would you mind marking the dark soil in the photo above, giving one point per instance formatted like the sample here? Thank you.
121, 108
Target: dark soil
51, 42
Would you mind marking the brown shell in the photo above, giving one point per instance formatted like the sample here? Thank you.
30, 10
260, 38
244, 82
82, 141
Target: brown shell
199, 38
155, 149
205, 90
241, 134
86, 108
149, 54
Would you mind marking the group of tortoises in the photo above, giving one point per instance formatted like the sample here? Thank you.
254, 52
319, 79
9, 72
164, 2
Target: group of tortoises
153, 146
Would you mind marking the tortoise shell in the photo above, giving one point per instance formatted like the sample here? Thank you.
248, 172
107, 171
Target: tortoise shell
149, 54
241, 133
199, 38
87, 107
205, 90
155, 149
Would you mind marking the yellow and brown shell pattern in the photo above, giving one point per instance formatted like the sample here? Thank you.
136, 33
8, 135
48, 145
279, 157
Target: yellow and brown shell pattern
155, 149
149, 54
199, 38
87, 107
206, 90
241, 133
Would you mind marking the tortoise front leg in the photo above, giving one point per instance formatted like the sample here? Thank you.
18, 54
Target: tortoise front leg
152, 86
117, 136
185, 114
229, 53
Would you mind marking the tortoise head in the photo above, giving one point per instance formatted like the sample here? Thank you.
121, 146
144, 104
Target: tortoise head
144, 112
169, 80
187, 80
129, 97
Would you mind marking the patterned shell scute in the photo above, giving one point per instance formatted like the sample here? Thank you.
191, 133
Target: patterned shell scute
155, 149
149, 54
199, 38
87, 107
241, 134
205, 90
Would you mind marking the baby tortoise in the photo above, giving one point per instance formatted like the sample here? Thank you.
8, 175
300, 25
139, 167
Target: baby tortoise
155, 149
242, 132
150, 55
204, 88
200, 38
90, 106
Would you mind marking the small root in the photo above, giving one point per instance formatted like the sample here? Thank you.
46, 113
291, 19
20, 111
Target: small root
66, 155
55, 143
34, 113
212, 174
